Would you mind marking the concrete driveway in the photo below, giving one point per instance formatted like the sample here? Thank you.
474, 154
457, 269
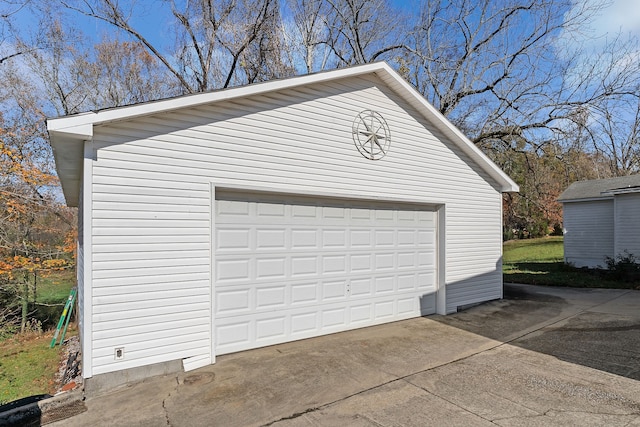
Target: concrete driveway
542, 356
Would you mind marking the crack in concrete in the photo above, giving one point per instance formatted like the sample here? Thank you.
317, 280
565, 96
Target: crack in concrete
296, 415
166, 412
164, 401
551, 411
448, 401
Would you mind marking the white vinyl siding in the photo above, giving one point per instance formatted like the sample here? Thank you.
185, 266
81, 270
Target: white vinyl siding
588, 232
151, 202
627, 224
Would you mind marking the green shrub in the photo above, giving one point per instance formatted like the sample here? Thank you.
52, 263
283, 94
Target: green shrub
624, 267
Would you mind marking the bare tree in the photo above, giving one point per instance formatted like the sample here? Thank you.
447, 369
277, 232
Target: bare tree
8, 48
363, 31
307, 36
59, 71
122, 73
501, 70
615, 133
213, 37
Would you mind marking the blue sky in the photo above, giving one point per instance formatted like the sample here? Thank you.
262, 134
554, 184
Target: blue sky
153, 21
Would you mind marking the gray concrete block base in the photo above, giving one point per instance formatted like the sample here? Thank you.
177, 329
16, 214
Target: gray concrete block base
104, 383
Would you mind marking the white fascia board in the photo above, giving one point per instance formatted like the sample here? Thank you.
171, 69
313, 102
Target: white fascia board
621, 191
193, 100
588, 199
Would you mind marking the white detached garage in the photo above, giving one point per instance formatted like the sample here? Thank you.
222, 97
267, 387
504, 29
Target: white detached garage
235, 219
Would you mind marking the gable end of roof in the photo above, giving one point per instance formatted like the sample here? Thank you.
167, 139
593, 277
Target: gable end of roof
68, 133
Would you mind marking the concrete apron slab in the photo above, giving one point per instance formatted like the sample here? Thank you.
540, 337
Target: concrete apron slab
505, 386
471, 368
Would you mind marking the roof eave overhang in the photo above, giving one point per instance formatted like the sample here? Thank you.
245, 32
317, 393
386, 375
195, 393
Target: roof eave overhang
587, 199
68, 151
618, 191
69, 133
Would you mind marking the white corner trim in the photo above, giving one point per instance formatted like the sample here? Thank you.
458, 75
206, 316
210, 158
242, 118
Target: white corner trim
87, 228
212, 263
441, 261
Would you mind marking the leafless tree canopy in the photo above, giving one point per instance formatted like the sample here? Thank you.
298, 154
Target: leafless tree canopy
521, 78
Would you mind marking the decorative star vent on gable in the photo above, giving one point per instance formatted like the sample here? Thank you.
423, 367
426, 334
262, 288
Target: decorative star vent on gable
371, 134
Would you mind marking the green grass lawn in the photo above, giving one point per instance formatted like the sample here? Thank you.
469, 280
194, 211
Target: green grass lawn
27, 365
540, 262
53, 291
54, 287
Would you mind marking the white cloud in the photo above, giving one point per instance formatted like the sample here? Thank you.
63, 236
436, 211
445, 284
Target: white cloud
619, 16
600, 37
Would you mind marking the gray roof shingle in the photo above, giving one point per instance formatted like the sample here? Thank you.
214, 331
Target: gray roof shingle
594, 189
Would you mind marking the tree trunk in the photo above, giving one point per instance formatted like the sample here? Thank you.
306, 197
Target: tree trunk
25, 306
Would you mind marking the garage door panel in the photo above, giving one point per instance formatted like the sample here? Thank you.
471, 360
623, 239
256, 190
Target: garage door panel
426, 282
360, 239
304, 293
246, 298
333, 318
304, 238
272, 211
230, 270
384, 238
271, 268
233, 301
406, 306
267, 328
384, 261
271, 239
359, 263
361, 313
382, 310
406, 259
271, 297
334, 239
232, 239
297, 268
384, 284
333, 290
304, 266
334, 264
361, 287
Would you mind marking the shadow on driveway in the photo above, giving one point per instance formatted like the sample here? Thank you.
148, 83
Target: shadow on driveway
597, 328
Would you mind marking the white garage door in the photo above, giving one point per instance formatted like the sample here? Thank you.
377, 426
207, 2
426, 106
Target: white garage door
290, 268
